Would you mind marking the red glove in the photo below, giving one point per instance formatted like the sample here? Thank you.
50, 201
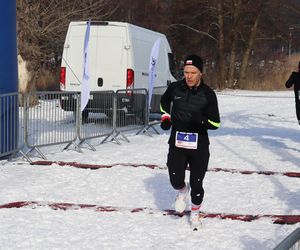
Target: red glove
165, 122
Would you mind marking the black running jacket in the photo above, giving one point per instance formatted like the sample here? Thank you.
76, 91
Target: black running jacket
192, 110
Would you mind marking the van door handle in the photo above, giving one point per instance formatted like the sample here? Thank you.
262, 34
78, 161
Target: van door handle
100, 82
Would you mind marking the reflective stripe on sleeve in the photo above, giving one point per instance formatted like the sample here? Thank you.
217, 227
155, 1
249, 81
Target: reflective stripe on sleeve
162, 110
215, 124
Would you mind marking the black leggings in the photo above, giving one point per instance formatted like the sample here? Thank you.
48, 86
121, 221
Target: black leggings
179, 159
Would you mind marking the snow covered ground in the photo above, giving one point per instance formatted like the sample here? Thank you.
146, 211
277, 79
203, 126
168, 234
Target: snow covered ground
259, 132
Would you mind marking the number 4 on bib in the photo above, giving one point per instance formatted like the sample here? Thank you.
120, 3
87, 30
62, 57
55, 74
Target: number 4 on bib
186, 140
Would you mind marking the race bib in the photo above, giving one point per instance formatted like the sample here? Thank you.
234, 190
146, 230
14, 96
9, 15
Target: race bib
186, 140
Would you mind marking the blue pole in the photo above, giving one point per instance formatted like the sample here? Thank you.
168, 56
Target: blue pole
8, 77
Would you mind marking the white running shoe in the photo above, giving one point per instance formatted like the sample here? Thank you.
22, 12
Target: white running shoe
181, 200
195, 220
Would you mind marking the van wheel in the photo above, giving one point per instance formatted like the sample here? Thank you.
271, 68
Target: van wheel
141, 117
140, 109
121, 119
75, 115
85, 116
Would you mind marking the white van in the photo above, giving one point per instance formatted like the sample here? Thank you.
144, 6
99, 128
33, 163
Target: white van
119, 55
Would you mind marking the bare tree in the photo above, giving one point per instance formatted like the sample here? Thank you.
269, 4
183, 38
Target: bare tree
221, 44
229, 34
42, 26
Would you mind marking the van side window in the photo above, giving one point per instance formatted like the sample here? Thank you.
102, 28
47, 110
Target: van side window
172, 64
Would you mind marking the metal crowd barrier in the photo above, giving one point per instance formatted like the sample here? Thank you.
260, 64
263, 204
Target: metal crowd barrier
9, 124
291, 242
21, 141
50, 118
97, 117
129, 112
46, 123
57, 118
153, 113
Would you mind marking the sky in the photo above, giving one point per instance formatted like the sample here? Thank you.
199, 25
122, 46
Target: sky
259, 132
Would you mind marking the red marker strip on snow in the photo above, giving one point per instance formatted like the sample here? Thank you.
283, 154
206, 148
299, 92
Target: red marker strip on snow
276, 219
153, 166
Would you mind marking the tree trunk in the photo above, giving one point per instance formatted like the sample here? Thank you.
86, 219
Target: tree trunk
236, 13
246, 55
221, 47
232, 61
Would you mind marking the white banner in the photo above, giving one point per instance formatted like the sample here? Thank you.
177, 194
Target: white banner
85, 86
152, 67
